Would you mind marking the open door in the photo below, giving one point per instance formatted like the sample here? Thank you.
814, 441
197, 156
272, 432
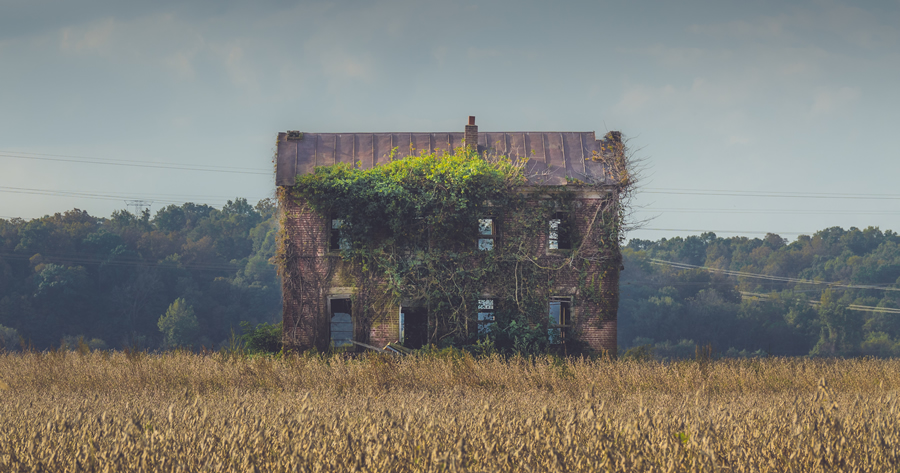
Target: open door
413, 327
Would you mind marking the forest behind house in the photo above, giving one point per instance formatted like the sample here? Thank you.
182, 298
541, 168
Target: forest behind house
190, 274
112, 280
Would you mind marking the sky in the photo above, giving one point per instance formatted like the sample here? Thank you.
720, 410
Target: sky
746, 117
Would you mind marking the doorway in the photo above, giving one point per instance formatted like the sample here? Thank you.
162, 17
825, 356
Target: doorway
413, 327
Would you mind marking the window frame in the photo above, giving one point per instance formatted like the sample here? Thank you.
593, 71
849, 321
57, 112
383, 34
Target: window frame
562, 232
336, 239
557, 333
485, 317
490, 238
330, 298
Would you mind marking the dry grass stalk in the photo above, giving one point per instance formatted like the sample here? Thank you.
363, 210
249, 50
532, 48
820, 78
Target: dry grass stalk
185, 412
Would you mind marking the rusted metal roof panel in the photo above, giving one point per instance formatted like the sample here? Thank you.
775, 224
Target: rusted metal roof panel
556, 153
345, 151
553, 157
421, 143
304, 148
381, 149
285, 166
325, 148
517, 146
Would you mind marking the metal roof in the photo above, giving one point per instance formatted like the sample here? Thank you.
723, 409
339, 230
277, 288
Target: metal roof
553, 156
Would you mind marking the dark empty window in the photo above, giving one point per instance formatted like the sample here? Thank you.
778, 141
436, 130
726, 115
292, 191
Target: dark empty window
341, 322
338, 241
559, 237
560, 318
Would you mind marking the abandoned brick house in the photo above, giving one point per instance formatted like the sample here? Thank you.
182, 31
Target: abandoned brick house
326, 305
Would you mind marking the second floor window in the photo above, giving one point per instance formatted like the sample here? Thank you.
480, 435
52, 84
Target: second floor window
486, 234
558, 237
338, 241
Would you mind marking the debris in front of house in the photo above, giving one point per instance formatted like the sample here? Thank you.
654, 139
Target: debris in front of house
366, 345
398, 349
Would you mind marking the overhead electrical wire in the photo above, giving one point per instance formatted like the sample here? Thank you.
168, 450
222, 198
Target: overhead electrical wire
122, 162
740, 232
863, 308
80, 259
745, 274
768, 211
739, 193
241, 170
160, 198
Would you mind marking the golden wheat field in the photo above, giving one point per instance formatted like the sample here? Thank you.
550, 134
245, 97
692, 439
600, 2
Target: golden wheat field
101, 411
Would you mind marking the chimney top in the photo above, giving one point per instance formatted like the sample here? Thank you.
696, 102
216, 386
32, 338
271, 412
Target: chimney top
471, 119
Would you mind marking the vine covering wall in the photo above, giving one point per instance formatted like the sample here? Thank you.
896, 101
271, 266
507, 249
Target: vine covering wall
410, 232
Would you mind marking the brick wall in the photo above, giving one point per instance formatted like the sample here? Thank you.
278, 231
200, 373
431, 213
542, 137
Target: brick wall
305, 277
311, 272
387, 330
471, 135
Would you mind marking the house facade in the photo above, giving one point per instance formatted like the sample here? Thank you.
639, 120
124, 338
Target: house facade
555, 262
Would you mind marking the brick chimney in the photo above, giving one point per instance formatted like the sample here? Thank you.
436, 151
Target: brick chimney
471, 135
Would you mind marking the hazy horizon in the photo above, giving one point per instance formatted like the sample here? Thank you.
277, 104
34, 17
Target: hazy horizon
751, 118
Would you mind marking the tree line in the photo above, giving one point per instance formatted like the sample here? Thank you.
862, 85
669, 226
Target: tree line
187, 276
829, 294
190, 274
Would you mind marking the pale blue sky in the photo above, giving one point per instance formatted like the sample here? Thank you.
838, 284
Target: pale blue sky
757, 97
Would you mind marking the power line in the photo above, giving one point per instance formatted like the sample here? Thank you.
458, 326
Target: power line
756, 232
74, 258
745, 274
778, 194
122, 162
162, 198
862, 308
766, 211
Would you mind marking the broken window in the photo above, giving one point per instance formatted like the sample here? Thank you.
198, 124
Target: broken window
486, 234
559, 237
485, 315
560, 318
413, 327
338, 241
341, 322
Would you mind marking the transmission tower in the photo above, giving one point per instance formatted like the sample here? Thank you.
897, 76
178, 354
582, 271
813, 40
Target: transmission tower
138, 205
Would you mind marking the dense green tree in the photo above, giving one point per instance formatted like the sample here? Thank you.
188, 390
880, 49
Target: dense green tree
72, 274
179, 325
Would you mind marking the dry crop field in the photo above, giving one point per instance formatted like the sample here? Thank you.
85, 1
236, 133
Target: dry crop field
65, 411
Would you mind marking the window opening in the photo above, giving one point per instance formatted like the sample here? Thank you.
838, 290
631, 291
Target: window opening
485, 316
559, 237
486, 234
338, 241
413, 327
560, 318
341, 322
